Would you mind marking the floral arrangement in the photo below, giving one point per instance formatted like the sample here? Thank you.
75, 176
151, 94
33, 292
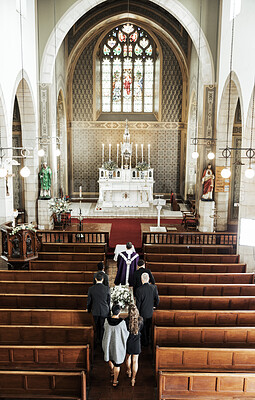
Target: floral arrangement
142, 166
18, 228
59, 206
110, 165
121, 295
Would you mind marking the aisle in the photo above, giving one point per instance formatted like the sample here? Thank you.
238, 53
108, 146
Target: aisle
101, 387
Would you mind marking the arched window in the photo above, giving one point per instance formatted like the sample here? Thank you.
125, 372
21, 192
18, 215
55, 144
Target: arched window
127, 56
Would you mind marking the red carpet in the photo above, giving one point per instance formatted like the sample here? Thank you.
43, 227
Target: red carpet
128, 229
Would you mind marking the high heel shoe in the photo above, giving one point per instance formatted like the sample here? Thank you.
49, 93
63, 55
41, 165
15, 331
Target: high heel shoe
128, 372
133, 382
115, 384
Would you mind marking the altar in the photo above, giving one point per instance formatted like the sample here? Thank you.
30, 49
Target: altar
125, 185
126, 188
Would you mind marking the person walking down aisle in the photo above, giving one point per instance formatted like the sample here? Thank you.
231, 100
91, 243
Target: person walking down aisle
134, 324
126, 266
146, 300
99, 304
114, 342
138, 273
100, 267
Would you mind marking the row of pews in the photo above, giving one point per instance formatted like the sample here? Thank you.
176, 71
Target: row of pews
46, 334
204, 328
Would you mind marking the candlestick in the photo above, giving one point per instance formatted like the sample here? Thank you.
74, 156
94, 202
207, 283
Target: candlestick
142, 151
102, 154
110, 149
149, 155
80, 191
117, 153
136, 145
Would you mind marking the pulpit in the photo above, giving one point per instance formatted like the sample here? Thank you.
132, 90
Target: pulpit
19, 246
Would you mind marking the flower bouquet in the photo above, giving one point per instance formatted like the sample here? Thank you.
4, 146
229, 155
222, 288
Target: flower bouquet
121, 295
18, 228
110, 165
59, 206
142, 166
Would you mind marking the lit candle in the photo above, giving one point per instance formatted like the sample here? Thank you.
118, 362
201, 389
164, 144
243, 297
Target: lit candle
136, 154
142, 151
80, 191
149, 156
102, 154
117, 153
110, 149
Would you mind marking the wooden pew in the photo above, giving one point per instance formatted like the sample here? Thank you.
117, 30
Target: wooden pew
188, 249
220, 278
74, 247
205, 289
203, 318
43, 301
46, 385
193, 258
196, 268
209, 359
45, 317
201, 386
40, 287
46, 335
61, 358
204, 336
56, 265
72, 256
21, 275
207, 303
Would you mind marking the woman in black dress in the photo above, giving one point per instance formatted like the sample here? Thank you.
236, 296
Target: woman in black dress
134, 324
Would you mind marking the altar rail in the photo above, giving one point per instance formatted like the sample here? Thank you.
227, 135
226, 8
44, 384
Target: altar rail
191, 238
73, 237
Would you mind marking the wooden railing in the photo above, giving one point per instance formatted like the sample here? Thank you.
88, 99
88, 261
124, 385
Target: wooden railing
49, 236
191, 238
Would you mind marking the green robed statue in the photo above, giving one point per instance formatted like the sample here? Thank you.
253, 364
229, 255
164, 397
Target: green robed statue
45, 181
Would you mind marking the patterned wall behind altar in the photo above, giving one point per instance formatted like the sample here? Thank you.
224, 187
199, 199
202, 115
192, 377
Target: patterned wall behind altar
87, 135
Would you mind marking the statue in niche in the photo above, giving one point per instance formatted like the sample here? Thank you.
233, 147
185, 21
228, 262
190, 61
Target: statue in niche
208, 183
15, 248
29, 245
45, 181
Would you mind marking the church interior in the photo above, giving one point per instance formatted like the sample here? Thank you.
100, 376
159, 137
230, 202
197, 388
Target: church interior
127, 121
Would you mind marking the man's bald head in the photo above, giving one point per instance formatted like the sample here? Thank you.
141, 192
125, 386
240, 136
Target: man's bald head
145, 278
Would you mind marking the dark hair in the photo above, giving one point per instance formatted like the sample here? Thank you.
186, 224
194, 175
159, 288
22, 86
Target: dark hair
100, 266
140, 262
99, 276
129, 245
115, 309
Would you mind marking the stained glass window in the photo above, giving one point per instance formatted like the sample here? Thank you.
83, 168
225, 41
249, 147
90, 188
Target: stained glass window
128, 55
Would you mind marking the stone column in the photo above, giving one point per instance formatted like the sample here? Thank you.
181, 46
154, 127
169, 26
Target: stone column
206, 210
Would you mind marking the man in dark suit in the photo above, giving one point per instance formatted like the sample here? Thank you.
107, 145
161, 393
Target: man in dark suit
138, 273
146, 300
100, 268
99, 304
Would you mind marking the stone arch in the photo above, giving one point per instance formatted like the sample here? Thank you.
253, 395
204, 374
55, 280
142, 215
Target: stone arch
225, 107
81, 7
246, 205
5, 200
29, 129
